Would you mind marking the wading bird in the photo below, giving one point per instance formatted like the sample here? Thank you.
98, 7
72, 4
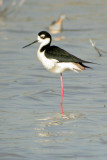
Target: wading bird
56, 59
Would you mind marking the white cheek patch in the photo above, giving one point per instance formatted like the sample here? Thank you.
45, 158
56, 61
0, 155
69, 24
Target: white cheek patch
43, 41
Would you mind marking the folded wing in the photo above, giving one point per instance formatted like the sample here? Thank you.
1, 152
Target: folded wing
61, 55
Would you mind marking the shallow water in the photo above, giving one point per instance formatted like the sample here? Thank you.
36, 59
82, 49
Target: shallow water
31, 126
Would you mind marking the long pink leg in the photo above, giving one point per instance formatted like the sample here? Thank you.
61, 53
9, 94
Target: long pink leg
62, 93
62, 88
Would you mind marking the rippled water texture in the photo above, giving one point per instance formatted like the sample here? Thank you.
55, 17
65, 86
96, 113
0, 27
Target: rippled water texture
31, 126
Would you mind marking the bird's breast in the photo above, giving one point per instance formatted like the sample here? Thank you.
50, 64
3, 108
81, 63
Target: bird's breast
49, 64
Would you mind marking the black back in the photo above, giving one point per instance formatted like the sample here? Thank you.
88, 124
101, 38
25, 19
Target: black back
54, 52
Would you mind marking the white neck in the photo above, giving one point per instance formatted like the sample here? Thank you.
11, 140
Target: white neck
44, 43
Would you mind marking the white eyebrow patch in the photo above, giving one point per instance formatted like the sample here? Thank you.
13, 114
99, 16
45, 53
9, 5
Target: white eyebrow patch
42, 36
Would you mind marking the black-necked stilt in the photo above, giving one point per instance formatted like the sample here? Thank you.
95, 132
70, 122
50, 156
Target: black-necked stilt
56, 59
56, 26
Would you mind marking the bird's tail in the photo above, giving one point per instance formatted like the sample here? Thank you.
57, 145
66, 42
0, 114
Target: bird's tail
79, 67
84, 66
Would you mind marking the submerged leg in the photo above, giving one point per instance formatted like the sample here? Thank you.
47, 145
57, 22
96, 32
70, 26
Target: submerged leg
62, 92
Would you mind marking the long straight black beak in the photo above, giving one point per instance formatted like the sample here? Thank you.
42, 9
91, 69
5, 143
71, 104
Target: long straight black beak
30, 44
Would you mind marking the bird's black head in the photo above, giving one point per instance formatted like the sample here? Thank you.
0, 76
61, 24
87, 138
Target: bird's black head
43, 35
45, 39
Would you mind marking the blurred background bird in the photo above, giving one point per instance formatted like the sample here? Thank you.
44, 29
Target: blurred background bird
57, 26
